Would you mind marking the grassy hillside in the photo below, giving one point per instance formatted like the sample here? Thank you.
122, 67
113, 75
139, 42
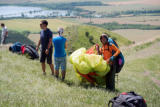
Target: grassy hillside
77, 38
33, 25
22, 84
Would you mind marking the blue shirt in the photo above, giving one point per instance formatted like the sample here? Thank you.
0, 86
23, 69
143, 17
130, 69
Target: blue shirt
59, 46
45, 35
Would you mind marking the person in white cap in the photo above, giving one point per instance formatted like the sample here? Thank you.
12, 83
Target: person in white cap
60, 44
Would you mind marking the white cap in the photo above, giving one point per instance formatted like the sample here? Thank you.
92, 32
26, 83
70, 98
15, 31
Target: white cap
60, 31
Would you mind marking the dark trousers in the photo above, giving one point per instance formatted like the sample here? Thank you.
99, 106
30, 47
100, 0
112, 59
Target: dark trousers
110, 77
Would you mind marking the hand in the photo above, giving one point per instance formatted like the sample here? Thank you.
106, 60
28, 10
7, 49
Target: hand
37, 48
47, 51
112, 58
97, 46
107, 61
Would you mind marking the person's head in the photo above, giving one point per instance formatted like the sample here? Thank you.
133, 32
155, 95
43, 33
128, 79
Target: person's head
2, 24
10, 48
104, 39
44, 24
60, 31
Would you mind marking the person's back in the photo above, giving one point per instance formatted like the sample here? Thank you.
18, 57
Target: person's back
59, 46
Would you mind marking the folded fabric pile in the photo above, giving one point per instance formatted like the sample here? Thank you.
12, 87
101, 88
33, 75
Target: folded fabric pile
88, 63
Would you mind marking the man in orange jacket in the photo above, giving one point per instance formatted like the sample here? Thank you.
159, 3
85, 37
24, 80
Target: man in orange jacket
109, 52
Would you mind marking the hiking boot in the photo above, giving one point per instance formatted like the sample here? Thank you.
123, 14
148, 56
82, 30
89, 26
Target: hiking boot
63, 78
44, 73
56, 76
52, 74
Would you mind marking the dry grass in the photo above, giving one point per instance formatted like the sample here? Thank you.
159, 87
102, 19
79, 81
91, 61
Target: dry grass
32, 25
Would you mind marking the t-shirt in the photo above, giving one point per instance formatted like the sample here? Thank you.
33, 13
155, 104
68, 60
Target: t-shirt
45, 35
107, 50
4, 30
59, 46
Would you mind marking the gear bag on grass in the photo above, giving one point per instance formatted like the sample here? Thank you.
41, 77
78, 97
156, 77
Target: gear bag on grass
130, 99
31, 51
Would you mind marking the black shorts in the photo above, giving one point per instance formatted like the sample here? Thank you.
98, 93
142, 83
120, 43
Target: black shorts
43, 56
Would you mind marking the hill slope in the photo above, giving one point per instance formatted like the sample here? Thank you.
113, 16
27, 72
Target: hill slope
77, 36
22, 84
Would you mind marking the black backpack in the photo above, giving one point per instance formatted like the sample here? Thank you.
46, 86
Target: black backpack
130, 99
31, 51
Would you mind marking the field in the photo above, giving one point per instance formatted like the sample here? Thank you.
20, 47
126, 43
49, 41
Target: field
138, 35
22, 83
113, 9
33, 25
152, 20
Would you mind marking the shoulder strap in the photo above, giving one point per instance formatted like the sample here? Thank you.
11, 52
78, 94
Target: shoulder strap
116, 43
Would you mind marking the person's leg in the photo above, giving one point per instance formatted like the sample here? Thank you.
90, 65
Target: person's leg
44, 68
49, 61
52, 68
63, 67
110, 78
2, 40
56, 66
42, 60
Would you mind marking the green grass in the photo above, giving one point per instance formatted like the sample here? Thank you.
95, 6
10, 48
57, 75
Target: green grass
23, 85
76, 36
115, 26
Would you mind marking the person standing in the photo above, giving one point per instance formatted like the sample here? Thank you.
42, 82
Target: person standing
107, 52
46, 46
4, 33
60, 44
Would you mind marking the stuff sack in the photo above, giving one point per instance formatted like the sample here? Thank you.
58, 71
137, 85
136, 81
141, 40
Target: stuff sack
31, 52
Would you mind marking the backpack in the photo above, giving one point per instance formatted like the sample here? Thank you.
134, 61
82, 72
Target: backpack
130, 99
31, 51
16, 47
120, 56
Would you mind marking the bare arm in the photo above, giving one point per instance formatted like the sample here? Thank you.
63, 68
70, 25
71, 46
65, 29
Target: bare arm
38, 45
50, 43
66, 45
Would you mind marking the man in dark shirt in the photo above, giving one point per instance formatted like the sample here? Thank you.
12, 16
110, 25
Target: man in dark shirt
46, 46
